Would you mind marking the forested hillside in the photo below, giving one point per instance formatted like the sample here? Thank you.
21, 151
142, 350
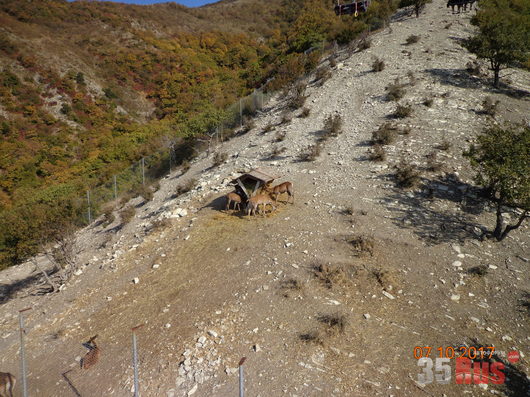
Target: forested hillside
88, 87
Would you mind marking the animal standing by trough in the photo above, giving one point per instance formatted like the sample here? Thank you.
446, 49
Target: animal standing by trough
255, 191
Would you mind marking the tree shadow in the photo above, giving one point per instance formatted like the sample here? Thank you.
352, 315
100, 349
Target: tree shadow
9, 290
433, 221
517, 383
463, 79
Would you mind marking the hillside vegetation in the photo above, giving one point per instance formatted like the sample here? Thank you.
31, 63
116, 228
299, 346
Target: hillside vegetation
88, 87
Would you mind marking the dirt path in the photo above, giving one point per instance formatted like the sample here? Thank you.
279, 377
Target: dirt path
227, 287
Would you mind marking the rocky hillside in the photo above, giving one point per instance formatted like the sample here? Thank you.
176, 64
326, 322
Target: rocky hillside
327, 296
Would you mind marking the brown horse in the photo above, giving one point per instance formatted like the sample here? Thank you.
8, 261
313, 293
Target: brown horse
255, 201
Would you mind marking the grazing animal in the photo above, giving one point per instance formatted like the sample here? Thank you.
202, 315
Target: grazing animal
286, 187
255, 201
92, 356
457, 3
235, 198
7, 384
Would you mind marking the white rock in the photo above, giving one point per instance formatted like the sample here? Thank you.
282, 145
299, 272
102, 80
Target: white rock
193, 390
202, 339
156, 266
388, 295
455, 297
493, 267
367, 316
457, 264
136, 280
257, 348
212, 333
168, 325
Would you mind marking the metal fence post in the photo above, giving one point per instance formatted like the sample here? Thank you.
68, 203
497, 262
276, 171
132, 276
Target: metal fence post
135, 361
170, 159
143, 170
115, 188
241, 111
22, 352
88, 201
241, 380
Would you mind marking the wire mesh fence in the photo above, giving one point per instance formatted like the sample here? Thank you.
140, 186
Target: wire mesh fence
149, 169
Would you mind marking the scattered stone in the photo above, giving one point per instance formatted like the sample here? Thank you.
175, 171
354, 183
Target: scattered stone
193, 390
388, 295
457, 264
257, 348
455, 297
212, 333
156, 266
136, 280
367, 316
202, 339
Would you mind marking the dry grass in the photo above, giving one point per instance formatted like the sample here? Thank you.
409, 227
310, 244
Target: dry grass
334, 323
479, 271
378, 65
312, 337
291, 287
332, 126
286, 118
186, 187
402, 111
395, 91
385, 134
384, 278
127, 214
277, 151
311, 153
445, 145
219, 158
377, 153
364, 44
363, 245
269, 127
323, 74
160, 224
305, 113
407, 176
489, 106
428, 102
330, 275
280, 136
433, 164
412, 39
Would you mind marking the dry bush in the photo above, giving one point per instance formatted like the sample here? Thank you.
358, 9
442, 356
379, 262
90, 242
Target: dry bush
448, 25
186, 187
290, 287
332, 126
329, 275
127, 214
185, 166
412, 39
312, 337
363, 245
286, 118
473, 68
305, 112
332, 61
377, 153
219, 158
298, 99
412, 78
445, 145
480, 270
280, 136
428, 102
407, 176
108, 215
248, 124
384, 278
144, 191
349, 211
323, 74
364, 44
334, 323
160, 224
269, 127
489, 106
385, 134
402, 111
433, 164
378, 65
311, 153
395, 91
277, 151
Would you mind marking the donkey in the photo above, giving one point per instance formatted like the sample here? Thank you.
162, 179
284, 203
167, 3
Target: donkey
255, 201
92, 356
286, 187
458, 3
7, 384
235, 198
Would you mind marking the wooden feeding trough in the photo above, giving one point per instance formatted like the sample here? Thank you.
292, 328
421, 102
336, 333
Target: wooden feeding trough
247, 185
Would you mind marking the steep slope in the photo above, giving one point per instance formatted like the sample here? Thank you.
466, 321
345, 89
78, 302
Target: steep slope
228, 280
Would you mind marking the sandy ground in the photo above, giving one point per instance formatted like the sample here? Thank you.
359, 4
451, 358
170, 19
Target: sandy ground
314, 313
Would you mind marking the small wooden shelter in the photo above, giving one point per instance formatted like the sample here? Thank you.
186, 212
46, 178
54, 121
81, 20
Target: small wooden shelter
247, 185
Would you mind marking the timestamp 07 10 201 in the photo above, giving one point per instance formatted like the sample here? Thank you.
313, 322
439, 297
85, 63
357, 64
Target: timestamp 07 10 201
471, 352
